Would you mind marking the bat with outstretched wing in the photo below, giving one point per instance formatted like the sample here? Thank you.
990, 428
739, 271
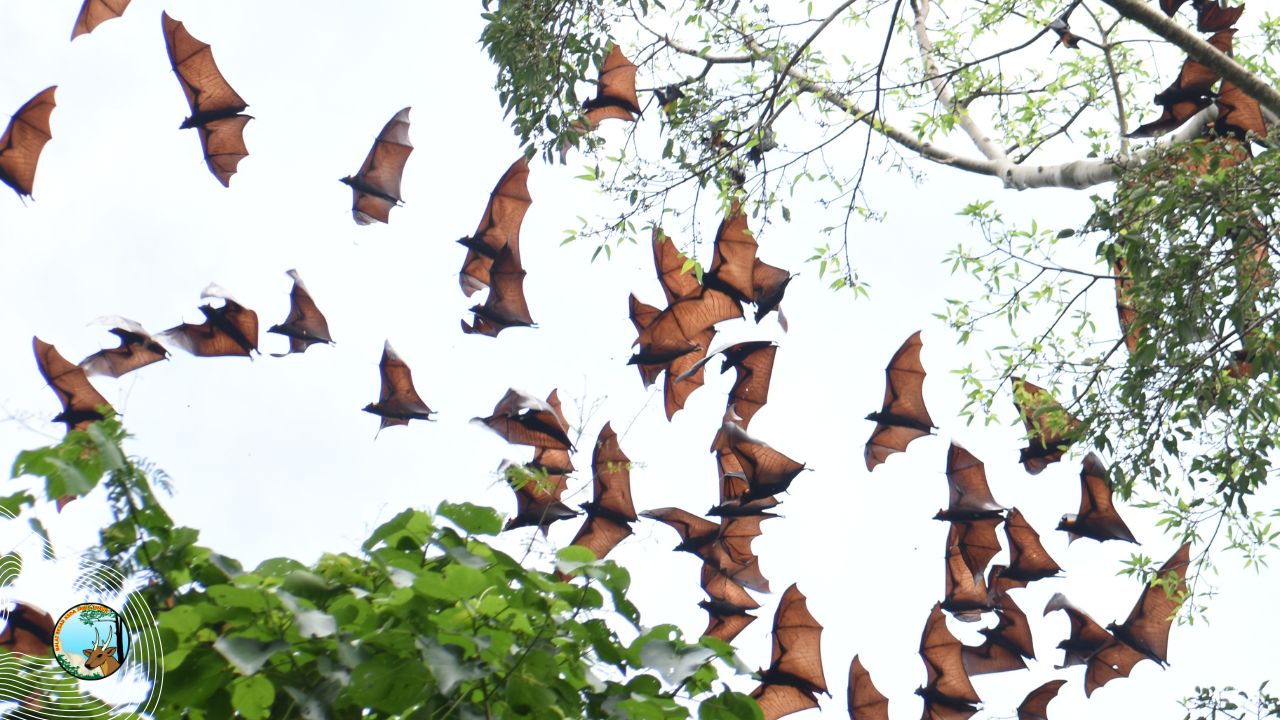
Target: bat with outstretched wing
904, 416
615, 92
675, 331
866, 702
728, 605
1189, 94
970, 496
794, 677
499, 227
767, 471
27, 630
80, 401
523, 419
216, 109
1086, 636
676, 279
506, 306
1239, 115
1028, 560
554, 460
1212, 17
685, 374
947, 692
305, 325
725, 545
976, 541
95, 12
611, 511
1050, 428
23, 140
137, 349
398, 401
753, 362
1098, 517
375, 187
228, 331
642, 316
734, 256
1036, 705
537, 498
966, 595
1005, 645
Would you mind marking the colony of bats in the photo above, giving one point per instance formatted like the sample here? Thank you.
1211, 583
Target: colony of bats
675, 342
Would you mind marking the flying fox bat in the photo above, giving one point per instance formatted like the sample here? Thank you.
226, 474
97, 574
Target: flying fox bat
1212, 17
375, 188
1006, 644
642, 316
615, 91
537, 499
95, 12
611, 512
947, 691
670, 265
1098, 517
1086, 637
794, 677
23, 140
499, 227
866, 702
80, 401
230, 330
522, 419
966, 593
1036, 704
1189, 94
216, 109
27, 630
1239, 115
675, 330
734, 256
725, 546
753, 362
1049, 426
976, 542
729, 606
768, 285
767, 471
1028, 560
554, 460
137, 349
998, 584
734, 485
398, 401
970, 496
506, 306
904, 416
685, 374
1066, 38
305, 325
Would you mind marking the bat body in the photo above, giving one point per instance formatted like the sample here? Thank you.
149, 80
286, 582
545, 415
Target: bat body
1189, 94
137, 349
216, 109
375, 187
499, 227
1036, 704
80, 401
1028, 560
1005, 645
537, 499
305, 325
903, 417
767, 471
611, 511
947, 692
970, 496
27, 630
615, 92
1087, 636
1098, 517
398, 401
506, 305
95, 12
736, 270
24, 139
523, 419
725, 546
728, 607
794, 677
1048, 425
966, 593
866, 702
230, 330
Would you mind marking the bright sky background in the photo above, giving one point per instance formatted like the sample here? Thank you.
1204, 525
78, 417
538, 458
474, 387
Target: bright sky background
273, 457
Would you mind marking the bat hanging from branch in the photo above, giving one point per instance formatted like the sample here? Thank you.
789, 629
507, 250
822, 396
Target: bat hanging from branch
305, 325
23, 140
95, 12
137, 349
375, 187
866, 702
903, 417
611, 511
947, 685
1050, 428
1036, 704
216, 109
398, 401
794, 677
1098, 517
506, 306
523, 419
230, 330
499, 227
1189, 94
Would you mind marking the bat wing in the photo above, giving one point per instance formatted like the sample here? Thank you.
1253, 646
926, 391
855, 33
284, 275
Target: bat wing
685, 374
95, 12
1098, 517
1028, 560
137, 349
1239, 114
903, 417
506, 305
670, 264
1036, 704
768, 285
966, 593
499, 226
80, 401
305, 323
538, 501
1147, 627
1125, 310
600, 533
1048, 425
231, 330
1212, 17
947, 682
1113, 660
794, 676
24, 139
753, 362
1006, 644
970, 496
642, 316
728, 605
768, 471
27, 630
734, 258
376, 186
525, 420
977, 543
611, 471
1087, 636
866, 702
398, 400
1189, 94
616, 92
693, 530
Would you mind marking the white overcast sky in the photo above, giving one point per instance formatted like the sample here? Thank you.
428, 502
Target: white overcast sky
273, 457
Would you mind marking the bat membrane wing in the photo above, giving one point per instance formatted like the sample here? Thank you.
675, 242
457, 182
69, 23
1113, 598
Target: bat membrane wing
1212, 17
1113, 660
95, 12
376, 187
941, 651
398, 400
1239, 115
669, 262
768, 285
1028, 560
24, 139
80, 401
611, 471
753, 362
28, 630
866, 702
137, 349
734, 258
966, 593
970, 495
206, 89
976, 540
1147, 627
678, 386
1036, 704
1048, 424
1098, 517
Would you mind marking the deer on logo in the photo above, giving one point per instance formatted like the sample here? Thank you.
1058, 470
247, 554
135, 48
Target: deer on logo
100, 655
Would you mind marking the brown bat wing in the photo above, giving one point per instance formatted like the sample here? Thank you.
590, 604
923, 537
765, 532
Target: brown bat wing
677, 386
137, 349
794, 676
1189, 94
947, 682
1006, 644
970, 496
734, 258
1036, 704
966, 593
499, 226
1212, 17
1049, 426
1098, 517
80, 401
23, 140
305, 322
669, 262
1087, 636
1028, 560
616, 92
768, 471
27, 630
215, 106
525, 420
398, 401
376, 186
600, 533
230, 330
691, 528
866, 702
977, 543
611, 470
1147, 627
95, 12
1239, 115
728, 606
753, 362
506, 305
768, 285
1113, 660
642, 316
538, 501
672, 332
1125, 310
903, 417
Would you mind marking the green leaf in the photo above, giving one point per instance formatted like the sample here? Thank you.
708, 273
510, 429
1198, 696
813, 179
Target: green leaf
253, 697
730, 706
473, 519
